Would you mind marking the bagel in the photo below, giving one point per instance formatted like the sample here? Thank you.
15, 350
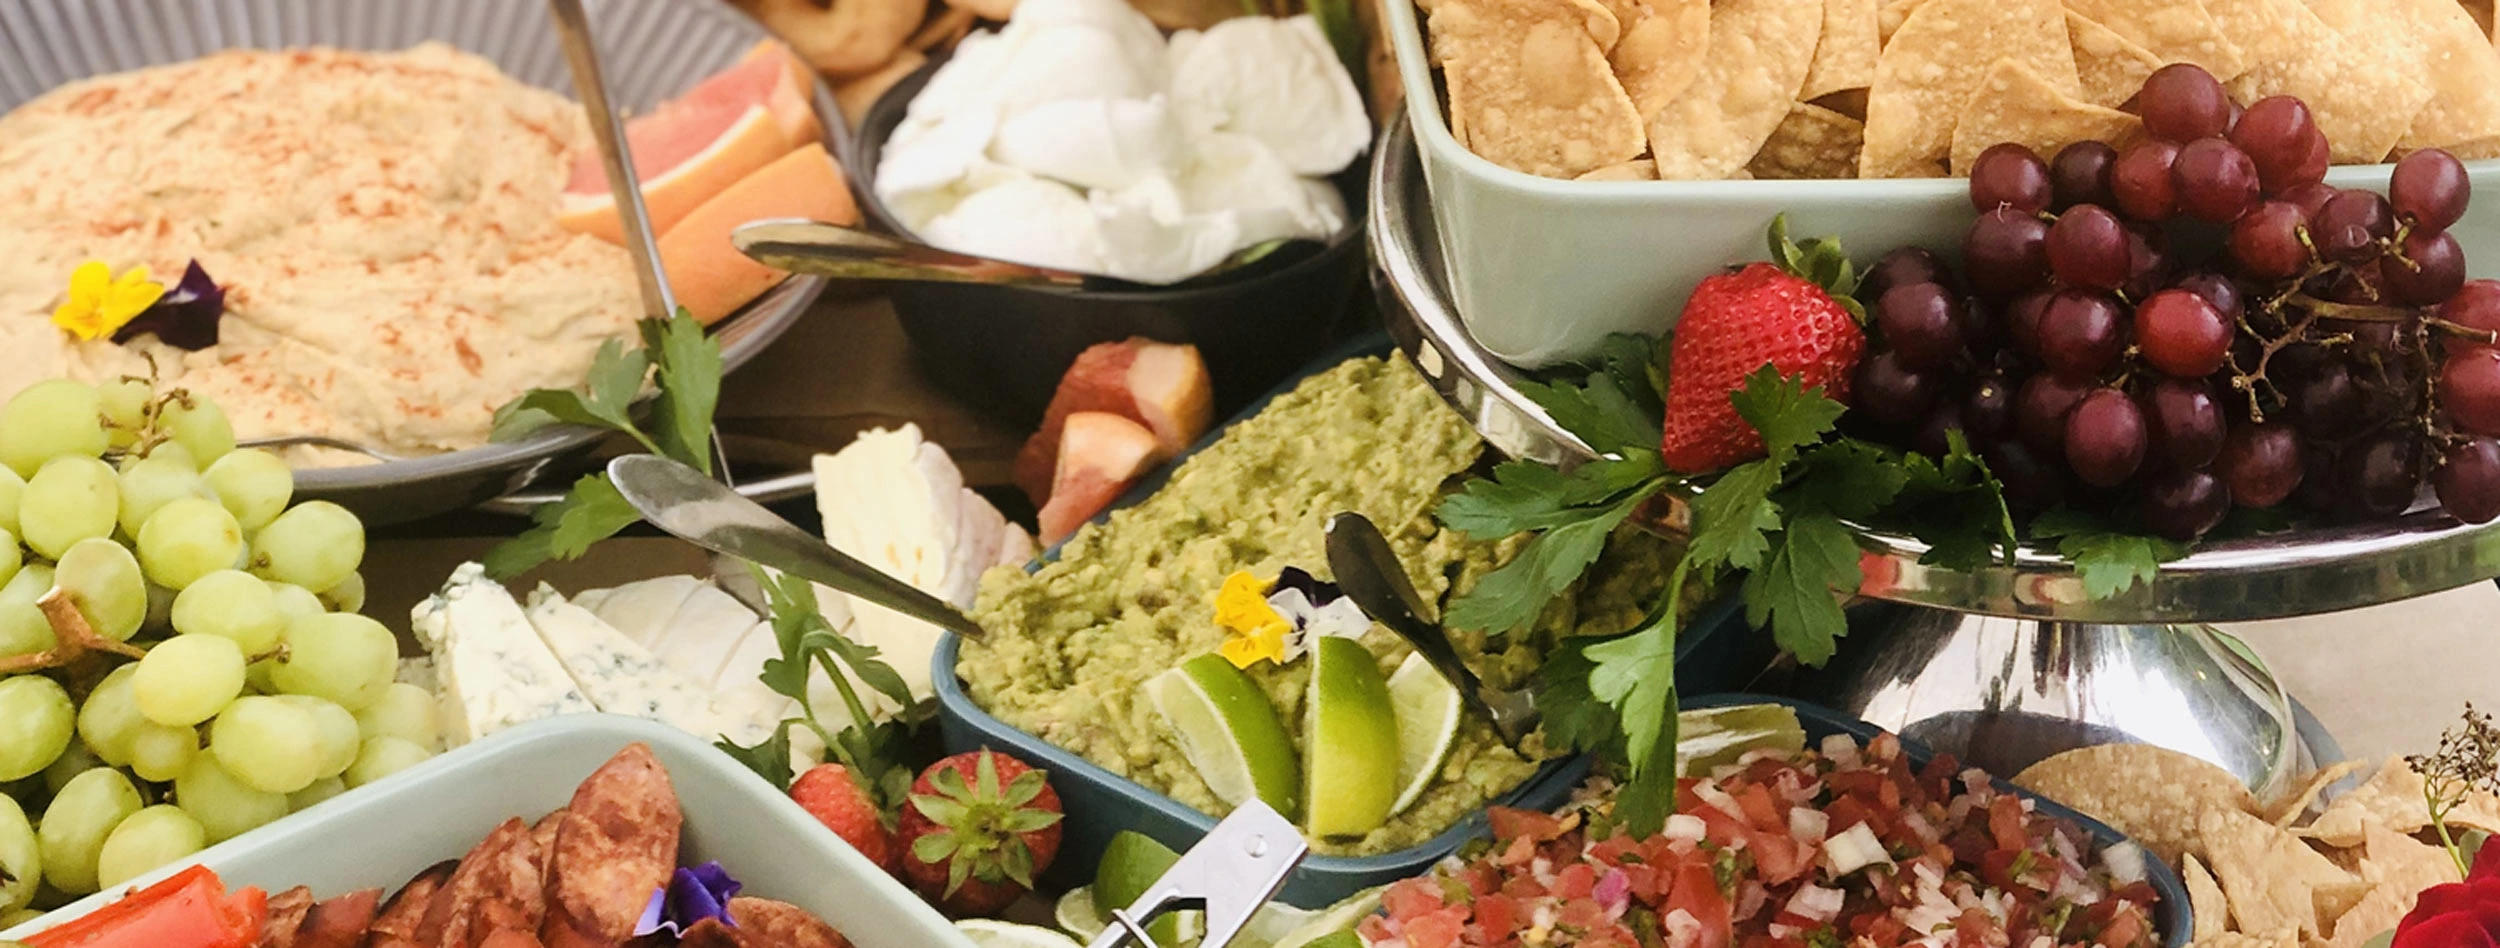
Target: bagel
842, 38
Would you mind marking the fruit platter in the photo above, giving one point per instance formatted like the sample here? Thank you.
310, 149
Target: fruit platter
1283, 474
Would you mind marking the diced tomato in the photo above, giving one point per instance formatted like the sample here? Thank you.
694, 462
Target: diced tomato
1647, 882
1974, 929
1760, 809
1576, 881
1696, 892
1996, 867
2124, 930
1441, 929
1523, 887
1376, 929
2006, 822
1779, 858
1497, 917
1582, 914
1519, 853
1849, 811
1411, 898
1509, 823
1616, 850
1880, 929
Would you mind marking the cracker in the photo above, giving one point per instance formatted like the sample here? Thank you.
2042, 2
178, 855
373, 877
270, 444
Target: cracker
1529, 85
2112, 67
2363, 109
1661, 53
1845, 59
1638, 169
2151, 794
1812, 142
1937, 60
1888, 18
2205, 900
2438, 44
1758, 56
2017, 105
2286, 809
2267, 874
2178, 31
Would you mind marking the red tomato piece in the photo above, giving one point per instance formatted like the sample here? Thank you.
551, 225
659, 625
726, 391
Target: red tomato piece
2006, 822
1498, 917
1511, 823
1411, 898
190, 909
1575, 881
1696, 892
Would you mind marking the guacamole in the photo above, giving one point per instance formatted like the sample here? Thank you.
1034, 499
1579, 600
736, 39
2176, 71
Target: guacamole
1070, 644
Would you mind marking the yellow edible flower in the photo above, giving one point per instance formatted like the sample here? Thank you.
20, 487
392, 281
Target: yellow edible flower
1258, 632
100, 302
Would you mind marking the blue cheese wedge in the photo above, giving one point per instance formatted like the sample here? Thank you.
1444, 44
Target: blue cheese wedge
622, 677
493, 669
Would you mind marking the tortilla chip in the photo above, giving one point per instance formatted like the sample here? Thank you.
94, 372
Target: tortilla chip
2281, 939
2268, 874
1812, 142
2178, 31
2437, 43
2392, 799
2477, 148
1661, 53
2205, 900
2362, 106
2377, 912
1941, 56
2016, 105
2285, 809
1626, 13
2112, 67
2393, 858
1529, 85
1845, 59
2151, 794
2331, 902
1758, 56
1637, 169
2480, 10
1888, 18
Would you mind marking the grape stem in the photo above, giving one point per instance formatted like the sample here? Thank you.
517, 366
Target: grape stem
73, 638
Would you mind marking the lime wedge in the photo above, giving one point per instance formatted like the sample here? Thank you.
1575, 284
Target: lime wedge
1075, 914
1709, 738
1428, 708
1323, 927
1228, 730
1131, 864
989, 933
1350, 762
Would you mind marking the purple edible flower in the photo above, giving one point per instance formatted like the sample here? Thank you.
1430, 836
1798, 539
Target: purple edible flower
1319, 593
690, 896
185, 317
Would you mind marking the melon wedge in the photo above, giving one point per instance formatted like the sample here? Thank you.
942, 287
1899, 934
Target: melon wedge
694, 147
1100, 455
1161, 386
711, 277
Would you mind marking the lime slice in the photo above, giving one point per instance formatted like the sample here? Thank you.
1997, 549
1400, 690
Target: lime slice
989, 933
1228, 730
1131, 864
1708, 738
1350, 764
1320, 928
1428, 708
1076, 914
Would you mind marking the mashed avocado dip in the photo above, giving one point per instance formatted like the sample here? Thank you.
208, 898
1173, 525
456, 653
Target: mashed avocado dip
1070, 644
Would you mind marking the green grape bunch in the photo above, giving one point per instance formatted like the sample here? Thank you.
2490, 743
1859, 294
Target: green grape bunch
181, 660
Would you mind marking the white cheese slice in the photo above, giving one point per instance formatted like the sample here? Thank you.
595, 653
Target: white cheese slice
493, 669
624, 678
643, 610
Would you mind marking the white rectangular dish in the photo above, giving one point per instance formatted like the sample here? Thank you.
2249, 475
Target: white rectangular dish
382, 835
1543, 269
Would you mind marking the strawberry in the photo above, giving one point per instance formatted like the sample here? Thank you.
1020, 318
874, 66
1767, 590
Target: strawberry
977, 829
1795, 315
829, 793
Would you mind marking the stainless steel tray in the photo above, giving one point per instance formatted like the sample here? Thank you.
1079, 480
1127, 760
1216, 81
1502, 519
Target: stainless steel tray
2299, 573
667, 46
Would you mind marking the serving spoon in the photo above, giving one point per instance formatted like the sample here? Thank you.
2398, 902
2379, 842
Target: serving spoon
843, 252
1370, 574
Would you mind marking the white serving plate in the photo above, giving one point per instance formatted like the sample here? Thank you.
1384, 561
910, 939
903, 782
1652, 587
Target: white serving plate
1542, 269
384, 834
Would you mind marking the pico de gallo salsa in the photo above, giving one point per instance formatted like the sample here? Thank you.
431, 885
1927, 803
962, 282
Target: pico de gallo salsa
1847, 848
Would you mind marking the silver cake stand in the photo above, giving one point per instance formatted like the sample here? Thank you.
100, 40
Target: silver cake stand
2007, 664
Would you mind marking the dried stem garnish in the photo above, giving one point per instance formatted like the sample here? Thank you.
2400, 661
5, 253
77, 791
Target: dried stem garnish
2468, 761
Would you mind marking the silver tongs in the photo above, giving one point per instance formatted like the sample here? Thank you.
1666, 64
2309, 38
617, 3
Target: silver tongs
1229, 875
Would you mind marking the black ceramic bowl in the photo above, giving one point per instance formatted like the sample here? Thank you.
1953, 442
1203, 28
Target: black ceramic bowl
1004, 348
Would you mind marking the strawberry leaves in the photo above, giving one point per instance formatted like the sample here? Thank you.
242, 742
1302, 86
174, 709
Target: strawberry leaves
981, 825
1819, 261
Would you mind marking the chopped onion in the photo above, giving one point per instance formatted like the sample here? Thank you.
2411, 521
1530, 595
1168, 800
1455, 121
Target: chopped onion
1817, 903
1842, 751
1709, 792
2126, 863
1613, 892
1808, 824
1686, 827
1853, 849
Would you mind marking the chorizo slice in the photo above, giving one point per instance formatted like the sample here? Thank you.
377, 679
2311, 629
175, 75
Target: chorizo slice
615, 846
396, 925
499, 881
710, 933
508, 938
340, 922
286, 915
764, 922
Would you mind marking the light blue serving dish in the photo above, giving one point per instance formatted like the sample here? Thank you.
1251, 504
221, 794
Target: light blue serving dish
1100, 803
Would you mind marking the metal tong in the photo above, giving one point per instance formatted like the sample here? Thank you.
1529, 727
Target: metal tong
1229, 875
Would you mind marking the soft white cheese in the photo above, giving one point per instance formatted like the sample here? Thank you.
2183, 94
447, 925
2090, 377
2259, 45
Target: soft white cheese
494, 672
641, 611
621, 677
1277, 81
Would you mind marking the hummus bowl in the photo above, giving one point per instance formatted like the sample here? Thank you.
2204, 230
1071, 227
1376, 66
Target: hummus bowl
45, 44
1081, 727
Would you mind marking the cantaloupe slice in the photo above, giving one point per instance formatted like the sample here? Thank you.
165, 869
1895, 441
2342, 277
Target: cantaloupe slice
1100, 455
711, 277
1159, 385
694, 147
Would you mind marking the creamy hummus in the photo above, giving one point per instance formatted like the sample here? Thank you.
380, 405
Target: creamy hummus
385, 226
1070, 645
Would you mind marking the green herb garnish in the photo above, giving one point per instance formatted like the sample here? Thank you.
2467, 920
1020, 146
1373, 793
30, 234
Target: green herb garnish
878, 754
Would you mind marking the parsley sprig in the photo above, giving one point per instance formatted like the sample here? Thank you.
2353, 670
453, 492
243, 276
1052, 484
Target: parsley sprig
878, 754
684, 365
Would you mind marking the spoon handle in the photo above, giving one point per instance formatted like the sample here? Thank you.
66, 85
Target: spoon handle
582, 54
833, 250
